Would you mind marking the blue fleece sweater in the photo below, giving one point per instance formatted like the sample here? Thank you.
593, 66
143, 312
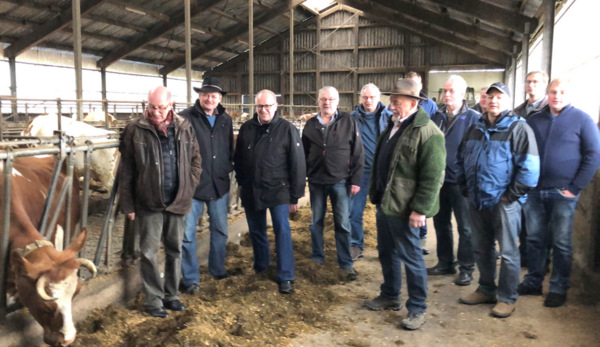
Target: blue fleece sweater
370, 125
428, 105
569, 147
454, 134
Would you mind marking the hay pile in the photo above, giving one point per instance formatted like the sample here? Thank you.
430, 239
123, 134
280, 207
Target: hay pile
243, 310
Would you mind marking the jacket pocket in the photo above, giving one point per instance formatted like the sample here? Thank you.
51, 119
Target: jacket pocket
398, 195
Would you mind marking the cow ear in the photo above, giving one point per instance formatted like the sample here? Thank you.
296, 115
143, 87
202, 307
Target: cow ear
77, 244
20, 264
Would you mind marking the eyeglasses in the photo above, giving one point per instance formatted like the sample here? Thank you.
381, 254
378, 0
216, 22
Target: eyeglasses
264, 106
327, 99
157, 108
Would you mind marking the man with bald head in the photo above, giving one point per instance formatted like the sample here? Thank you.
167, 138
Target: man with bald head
454, 119
160, 169
372, 117
270, 169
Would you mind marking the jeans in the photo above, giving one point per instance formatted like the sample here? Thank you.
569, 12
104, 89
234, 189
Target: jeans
357, 208
257, 225
500, 222
451, 199
154, 226
340, 197
217, 212
549, 216
398, 243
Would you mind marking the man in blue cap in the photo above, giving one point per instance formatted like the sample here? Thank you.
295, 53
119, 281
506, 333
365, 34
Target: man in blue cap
498, 164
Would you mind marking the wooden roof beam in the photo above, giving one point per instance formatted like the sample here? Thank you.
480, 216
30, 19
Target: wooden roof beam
138, 9
157, 31
241, 21
380, 15
415, 12
499, 17
41, 32
233, 33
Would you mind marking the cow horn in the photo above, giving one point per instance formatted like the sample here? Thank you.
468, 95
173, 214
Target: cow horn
86, 263
41, 288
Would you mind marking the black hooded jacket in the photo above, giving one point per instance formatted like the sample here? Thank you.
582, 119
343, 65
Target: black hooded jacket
216, 149
269, 163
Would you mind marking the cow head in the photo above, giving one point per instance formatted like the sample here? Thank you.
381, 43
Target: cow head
47, 281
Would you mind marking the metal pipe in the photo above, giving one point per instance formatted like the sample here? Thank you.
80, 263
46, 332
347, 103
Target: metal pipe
251, 54
68, 212
78, 62
86, 185
50, 194
61, 200
188, 50
4, 241
111, 201
291, 54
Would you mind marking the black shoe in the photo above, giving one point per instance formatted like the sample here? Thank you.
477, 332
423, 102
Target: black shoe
380, 303
441, 270
158, 312
425, 251
463, 279
191, 289
555, 300
286, 287
222, 277
523, 289
174, 305
351, 273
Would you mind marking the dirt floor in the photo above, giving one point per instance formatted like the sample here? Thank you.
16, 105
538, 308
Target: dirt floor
325, 310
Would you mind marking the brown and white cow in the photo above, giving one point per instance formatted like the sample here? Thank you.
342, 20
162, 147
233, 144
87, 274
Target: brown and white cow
42, 278
104, 161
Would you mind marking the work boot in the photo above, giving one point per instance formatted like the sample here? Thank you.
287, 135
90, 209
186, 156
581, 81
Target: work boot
503, 309
381, 303
356, 252
413, 320
555, 300
524, 289
476, 298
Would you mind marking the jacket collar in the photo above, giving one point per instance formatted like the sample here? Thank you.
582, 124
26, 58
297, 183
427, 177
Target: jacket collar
275, 119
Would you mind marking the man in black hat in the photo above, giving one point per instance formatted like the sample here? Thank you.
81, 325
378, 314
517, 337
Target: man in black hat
406, 178
498, 164
214, 131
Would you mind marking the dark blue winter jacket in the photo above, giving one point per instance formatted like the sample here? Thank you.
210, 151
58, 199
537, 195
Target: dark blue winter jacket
496, 160
428, 105
370, 125
454, 134
569, 148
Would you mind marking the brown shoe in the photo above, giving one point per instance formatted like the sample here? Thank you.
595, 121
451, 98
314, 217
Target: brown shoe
477, 298
503, 309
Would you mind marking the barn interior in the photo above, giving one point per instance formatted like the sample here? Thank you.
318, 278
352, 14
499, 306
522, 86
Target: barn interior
293, 47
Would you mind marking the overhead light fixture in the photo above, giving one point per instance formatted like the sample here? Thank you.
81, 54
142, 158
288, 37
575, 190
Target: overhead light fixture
200, 31
135, 10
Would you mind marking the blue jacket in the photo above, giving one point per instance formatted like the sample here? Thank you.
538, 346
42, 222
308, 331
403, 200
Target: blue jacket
496, 160
369, 139
569, 148
428, 105
454, 134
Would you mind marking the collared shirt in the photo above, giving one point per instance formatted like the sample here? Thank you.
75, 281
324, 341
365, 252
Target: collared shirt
531, 106
332, 118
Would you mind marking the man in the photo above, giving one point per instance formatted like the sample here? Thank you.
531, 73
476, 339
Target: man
570, 155
536, 83
334, 165
498, 164
214, 132
406, 178
431, 108
535, 87
428, 105
372, 117
454, 119
160, 168
270, 169
480, 106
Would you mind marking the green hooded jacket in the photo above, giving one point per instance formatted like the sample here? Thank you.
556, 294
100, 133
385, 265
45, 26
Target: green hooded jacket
416, 170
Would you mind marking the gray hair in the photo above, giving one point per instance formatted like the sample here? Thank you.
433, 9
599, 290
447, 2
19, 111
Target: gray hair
458, 83
331, 91
372, 87
266, 91
542, 73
